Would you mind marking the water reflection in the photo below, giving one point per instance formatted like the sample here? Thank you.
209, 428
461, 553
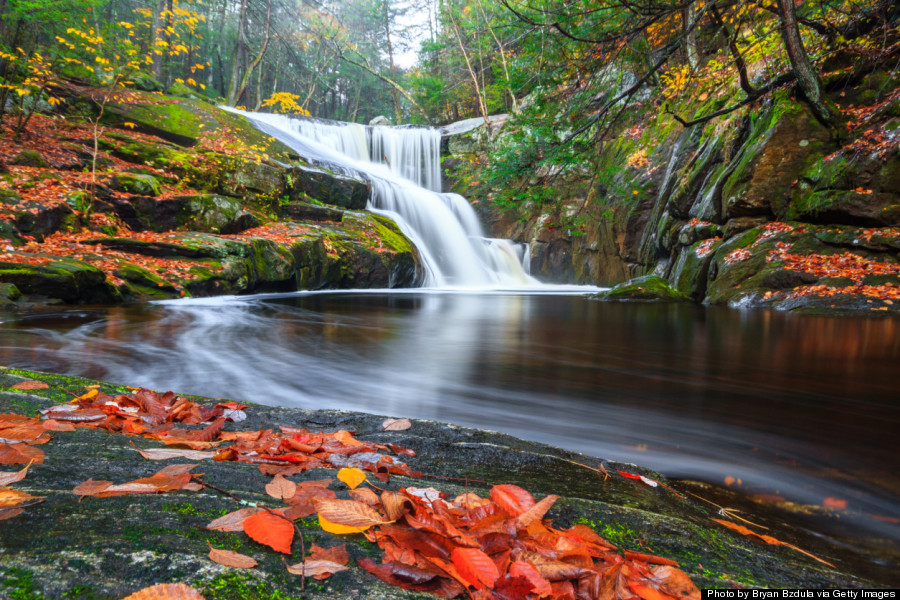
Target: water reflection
802, 407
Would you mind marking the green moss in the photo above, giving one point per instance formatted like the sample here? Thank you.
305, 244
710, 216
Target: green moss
238, 586
18, 584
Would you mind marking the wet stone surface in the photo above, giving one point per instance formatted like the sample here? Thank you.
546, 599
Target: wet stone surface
106, 548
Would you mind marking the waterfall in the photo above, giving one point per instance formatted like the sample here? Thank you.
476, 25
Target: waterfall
402, 166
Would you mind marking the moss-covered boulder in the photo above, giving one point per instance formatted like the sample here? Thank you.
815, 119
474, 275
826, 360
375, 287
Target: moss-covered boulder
132, 183
646, 288
691, 269
71, 281
211, 213
9, 293
38, 218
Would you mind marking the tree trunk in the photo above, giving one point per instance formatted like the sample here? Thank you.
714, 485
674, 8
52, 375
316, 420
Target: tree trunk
155, 28
240, 52
245, 80
481, 106
807, 78
688, 21
398, 113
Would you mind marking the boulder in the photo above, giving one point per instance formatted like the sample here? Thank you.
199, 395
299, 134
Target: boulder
380, 120
130, 183
29, 158
327, 187
211, 213
647, 288
71, 281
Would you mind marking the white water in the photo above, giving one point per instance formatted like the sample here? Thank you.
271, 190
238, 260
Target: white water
402, 165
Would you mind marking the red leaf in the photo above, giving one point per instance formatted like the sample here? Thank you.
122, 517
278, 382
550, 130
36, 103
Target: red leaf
512, 499
475, 566
271, 530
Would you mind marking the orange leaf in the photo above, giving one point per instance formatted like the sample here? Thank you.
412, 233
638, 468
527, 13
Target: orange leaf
30, 385
349, 512
10, 498
511, 498
233, 521
231, 559
91, 487
167, 591
475, 566
536, 512
646, 592
271, 530
8, 478
769, 540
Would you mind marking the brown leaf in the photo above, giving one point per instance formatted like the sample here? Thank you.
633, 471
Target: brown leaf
233, 521
91, 487
475, 566
231, 559
349, 512
166, 453
54, 425
271, 530
317, 569
9, 513
396, 505
336, 554
22, 433
675, 582
166, 591
8, 478
366, 496
30, 385
396, 425
281, 488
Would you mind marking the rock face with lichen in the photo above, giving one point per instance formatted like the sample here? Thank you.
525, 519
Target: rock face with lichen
107, 548
765, 207
188, 200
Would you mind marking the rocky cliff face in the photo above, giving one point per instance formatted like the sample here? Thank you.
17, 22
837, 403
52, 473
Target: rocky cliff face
767, 207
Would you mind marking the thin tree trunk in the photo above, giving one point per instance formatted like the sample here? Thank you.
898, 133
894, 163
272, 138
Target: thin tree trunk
155, 28
503, 62
481, 107
245, 80
240, 51
807, 78
688, 20
398, 113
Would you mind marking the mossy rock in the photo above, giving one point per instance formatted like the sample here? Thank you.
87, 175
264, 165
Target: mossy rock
238, 177
211, 213
143, 284
41, 218
646, 288
144, 185
29, 158
327, 187
184, 121
9, 293
118, 545
885, 279
8, 196
71, 281
689, 275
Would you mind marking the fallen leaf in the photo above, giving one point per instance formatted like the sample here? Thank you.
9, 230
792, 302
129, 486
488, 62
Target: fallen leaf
317, 569
396, 425
536, 512
167, 453
166, 591
349, 512
337, 528
475, 566
9, 513
270, 530
54, 425
511, 498
14, 454
8, 478
10, 498
30, 385
281, 488
769, 540
353, 477
91, 487
231, 559
233, 521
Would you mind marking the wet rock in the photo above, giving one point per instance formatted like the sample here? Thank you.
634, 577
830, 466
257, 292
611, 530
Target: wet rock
836, 282
648, 287
143, 185
312, 212
327, 187
40, 218
114, 546
71, 281
380, 120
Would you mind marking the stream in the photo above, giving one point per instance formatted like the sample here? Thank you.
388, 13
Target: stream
789, 408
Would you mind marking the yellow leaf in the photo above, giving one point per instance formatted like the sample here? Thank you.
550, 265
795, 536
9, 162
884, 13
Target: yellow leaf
352, 477
90, 394
128, 124
330, 527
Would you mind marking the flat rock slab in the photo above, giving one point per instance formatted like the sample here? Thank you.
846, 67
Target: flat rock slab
107, 548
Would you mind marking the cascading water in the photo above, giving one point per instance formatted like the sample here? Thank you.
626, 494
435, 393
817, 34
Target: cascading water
402, 165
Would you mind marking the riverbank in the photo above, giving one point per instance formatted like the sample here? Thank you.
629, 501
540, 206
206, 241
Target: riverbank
109, 547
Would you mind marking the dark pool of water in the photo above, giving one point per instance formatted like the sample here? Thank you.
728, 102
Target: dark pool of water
804, 408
